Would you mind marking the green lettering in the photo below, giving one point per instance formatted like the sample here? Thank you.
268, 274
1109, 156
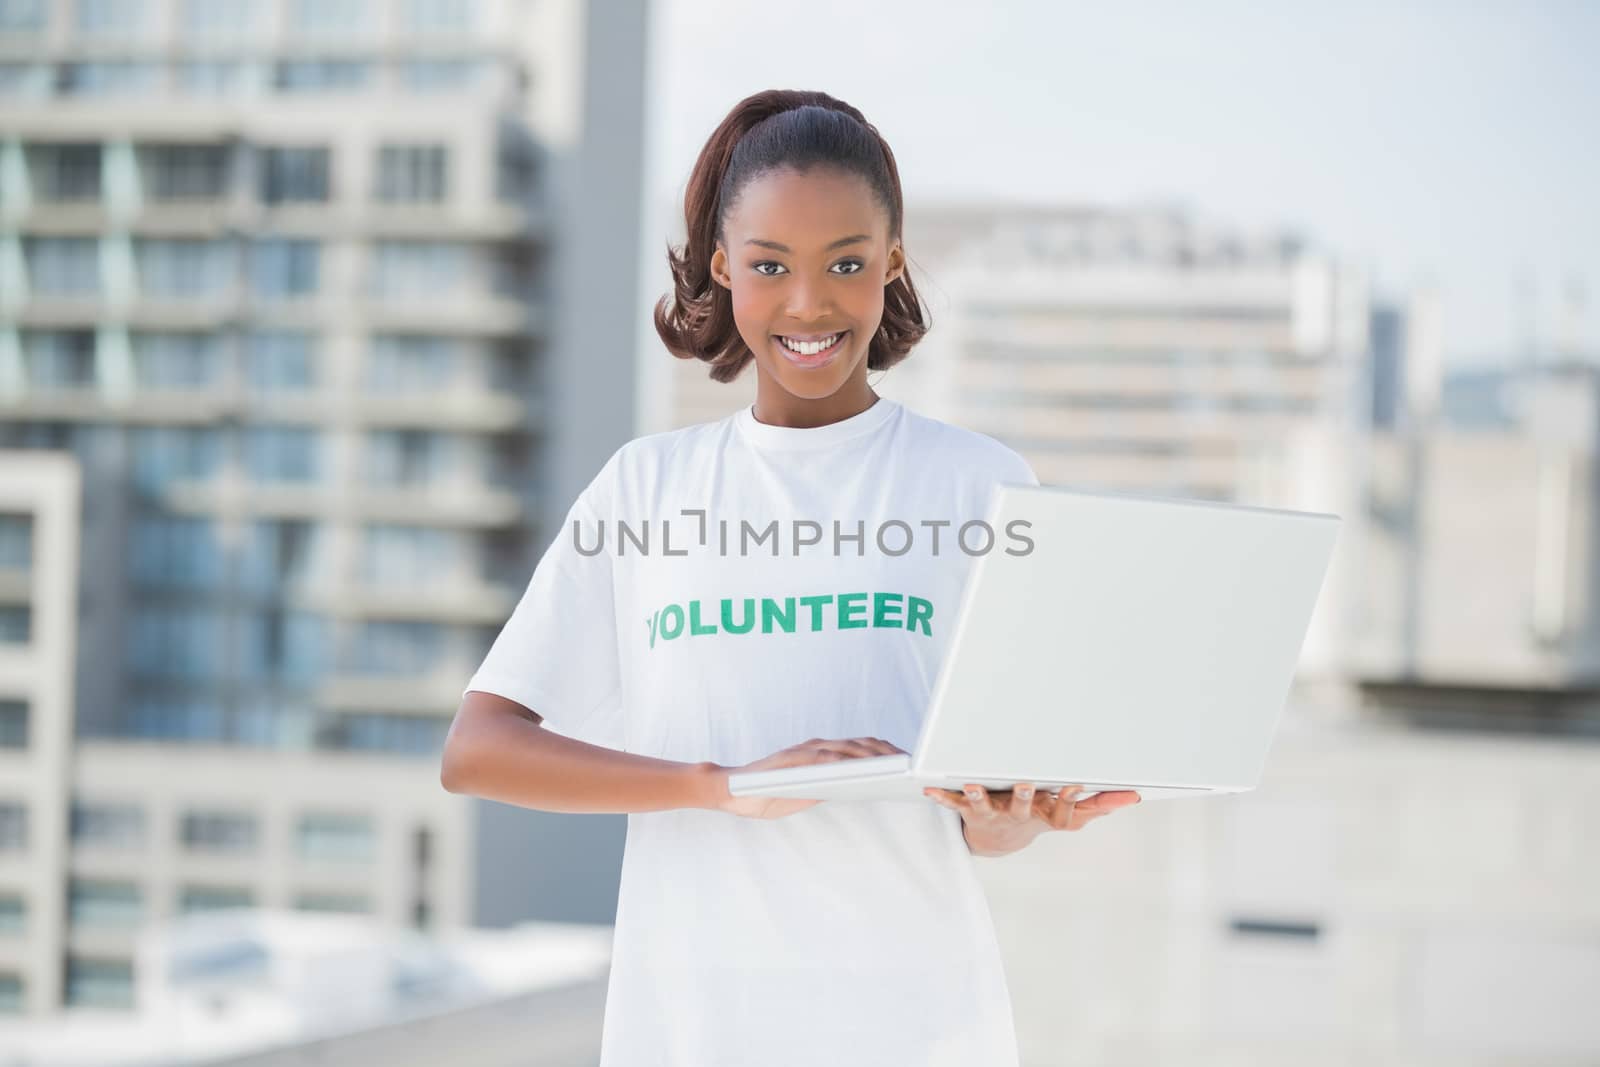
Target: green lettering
852, 611
918, 610
671, 621
696, 628
770, 612
882, 605
749, 616
815, 603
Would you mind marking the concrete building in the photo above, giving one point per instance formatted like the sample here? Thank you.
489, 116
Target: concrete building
282, 276
39, 522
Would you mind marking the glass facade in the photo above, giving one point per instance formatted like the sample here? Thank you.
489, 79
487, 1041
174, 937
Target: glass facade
104, 903
119, 826
284, 268
336, 837
219, 831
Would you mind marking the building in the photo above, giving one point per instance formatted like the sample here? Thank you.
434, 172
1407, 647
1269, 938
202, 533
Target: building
270, 987
39, 504
281, 276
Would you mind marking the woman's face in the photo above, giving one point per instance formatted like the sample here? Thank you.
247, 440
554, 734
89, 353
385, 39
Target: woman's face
807, 258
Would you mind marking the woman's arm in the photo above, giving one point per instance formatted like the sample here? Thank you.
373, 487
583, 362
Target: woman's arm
497, 749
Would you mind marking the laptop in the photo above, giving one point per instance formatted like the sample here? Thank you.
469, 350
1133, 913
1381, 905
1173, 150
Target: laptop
1143, 643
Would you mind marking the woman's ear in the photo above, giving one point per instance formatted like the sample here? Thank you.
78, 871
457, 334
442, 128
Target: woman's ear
719, 268
897, 264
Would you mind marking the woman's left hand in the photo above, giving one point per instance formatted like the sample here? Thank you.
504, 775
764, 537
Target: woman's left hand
1002, 822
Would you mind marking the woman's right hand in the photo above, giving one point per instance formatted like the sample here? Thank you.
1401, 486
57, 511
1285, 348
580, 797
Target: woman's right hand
816, 750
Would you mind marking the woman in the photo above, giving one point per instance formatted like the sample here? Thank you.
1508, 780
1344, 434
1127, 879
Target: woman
768, 590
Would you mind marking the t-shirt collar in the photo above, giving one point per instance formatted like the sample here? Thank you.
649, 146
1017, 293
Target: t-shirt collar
765, 435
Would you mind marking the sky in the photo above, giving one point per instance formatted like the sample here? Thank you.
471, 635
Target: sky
1445, 148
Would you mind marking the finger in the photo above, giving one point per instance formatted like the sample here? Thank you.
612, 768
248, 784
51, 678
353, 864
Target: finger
1105, 803
856, 746
1061, 809
883, 747
847, 748
978, 799
946, 798
1022, 801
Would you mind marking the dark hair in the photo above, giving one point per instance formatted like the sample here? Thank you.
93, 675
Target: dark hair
773, 130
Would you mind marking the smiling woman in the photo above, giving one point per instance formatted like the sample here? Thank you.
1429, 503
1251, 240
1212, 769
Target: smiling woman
776, 930
793, 259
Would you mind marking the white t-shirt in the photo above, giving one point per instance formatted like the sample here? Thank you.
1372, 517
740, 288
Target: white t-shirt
850, 932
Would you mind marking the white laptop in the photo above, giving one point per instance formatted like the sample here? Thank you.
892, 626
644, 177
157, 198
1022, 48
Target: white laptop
1144, 643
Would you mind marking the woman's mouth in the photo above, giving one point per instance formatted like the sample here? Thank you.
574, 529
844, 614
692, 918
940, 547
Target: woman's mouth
811, 355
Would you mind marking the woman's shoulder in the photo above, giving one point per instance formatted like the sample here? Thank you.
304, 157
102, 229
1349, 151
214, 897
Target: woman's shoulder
964, 448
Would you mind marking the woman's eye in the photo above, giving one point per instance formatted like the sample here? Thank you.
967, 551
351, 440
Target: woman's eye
856, 264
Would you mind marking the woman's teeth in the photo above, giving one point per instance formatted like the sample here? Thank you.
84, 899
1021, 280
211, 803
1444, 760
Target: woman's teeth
810, 348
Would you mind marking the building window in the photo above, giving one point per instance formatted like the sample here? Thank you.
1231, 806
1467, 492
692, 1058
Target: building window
13, 914
286, 646
401, 556
397, 648
219, 831
176, 551
58, 359
103, 904
16, 624
177, 719
412, 174
176, 360
13, 826
283, 268
320, 75
274, 723
163, 454
398, 459
24, 79
183, 267
106, 77
64, 266
197, 898
184, 171
439, 75
13, 724
329, 16
418, 268
22, 16
327, 836
10, 994
281, 454
388, 732
279, 554
97, 983
175, 642
219, 18
16, 543
107, 825
120, 17
281, 360
340, 903
65, 173
440, 16
295, 175
411, 363
209, 77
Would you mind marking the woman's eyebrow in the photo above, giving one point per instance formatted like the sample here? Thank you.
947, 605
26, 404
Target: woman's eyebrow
840, 243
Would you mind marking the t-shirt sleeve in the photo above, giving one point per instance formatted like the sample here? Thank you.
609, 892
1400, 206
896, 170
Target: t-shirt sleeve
557, 654
1021, 471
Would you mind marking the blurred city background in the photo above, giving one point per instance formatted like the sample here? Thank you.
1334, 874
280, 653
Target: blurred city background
315, 315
